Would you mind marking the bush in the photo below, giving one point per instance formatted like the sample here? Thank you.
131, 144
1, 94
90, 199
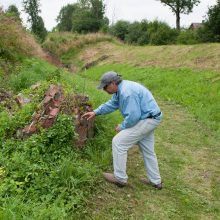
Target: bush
137, 33
120, 29
187, 37
161, 34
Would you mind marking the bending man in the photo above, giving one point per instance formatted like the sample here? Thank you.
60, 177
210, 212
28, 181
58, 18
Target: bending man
141, 116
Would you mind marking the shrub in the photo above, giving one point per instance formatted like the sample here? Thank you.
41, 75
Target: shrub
137, 33
187, 37
120, 29
161, 34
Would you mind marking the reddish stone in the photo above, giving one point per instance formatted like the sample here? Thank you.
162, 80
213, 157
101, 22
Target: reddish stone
29, 129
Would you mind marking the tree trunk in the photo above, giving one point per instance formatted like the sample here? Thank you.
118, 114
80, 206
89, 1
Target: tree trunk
178, 20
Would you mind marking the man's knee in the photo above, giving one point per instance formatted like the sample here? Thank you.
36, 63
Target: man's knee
117, 145
115, 141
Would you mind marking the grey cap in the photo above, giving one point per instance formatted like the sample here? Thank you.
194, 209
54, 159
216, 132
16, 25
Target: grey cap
109, 77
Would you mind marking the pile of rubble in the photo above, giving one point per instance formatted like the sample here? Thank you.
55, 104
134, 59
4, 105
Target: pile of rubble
55, 102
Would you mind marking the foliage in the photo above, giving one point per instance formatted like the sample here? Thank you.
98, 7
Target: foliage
180, 6
120, 29
64, 18
137, 33
32, 8
160, 33
212, 24
187, 37
82, 17
89, 16
144, 32
13, 11
45, 170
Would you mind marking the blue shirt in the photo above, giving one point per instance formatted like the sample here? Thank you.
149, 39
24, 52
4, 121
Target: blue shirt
134, 101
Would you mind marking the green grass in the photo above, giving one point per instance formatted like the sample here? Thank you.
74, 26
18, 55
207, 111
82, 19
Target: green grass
45, 177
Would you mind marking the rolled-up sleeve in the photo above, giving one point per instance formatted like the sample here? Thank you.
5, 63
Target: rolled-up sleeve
108, 107
131, 111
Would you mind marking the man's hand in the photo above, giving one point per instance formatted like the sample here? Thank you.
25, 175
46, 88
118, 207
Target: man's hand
117, 129
89, 115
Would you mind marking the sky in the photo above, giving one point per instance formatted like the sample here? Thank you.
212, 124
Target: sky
129, 10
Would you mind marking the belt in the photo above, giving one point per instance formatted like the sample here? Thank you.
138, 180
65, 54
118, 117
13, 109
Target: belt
154, 116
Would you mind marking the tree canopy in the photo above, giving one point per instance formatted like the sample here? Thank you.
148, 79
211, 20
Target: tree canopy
180, 7
32, 8
213, 21
82, 17
65, 17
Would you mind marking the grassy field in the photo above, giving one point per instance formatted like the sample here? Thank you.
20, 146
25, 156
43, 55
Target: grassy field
187, 144
45, 177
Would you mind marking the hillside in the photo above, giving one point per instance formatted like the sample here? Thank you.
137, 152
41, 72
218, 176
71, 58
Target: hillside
46, 176
91, 48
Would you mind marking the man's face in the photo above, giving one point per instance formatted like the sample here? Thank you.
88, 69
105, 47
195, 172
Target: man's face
111, 88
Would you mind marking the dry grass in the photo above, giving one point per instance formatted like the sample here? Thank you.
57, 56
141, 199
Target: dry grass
15, 40
61, 42
202, 56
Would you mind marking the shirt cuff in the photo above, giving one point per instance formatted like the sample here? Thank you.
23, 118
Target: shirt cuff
96, 112
121, 127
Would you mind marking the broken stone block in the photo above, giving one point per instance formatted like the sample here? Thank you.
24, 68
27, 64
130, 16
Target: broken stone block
21, 100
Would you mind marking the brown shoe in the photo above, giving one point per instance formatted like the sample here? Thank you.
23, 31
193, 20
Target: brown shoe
111, 179
148, 182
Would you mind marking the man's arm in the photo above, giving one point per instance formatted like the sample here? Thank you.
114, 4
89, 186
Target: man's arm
103, 109
108, 107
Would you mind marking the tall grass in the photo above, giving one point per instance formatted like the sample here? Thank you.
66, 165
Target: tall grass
15, 42
32, 71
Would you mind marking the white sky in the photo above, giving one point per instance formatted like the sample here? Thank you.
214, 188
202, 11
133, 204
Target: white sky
130, 10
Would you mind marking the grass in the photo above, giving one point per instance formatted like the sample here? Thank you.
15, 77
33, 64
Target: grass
44, 177
186, 141
197, 57
67, 46
184, 148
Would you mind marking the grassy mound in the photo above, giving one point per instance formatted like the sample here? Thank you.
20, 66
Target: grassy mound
67, 46
15, 41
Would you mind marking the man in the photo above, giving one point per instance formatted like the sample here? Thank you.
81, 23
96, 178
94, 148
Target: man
141, 116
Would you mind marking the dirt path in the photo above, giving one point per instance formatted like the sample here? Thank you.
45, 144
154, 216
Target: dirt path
188, 157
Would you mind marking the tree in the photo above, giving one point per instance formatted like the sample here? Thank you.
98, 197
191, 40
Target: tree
120, 29
137, 33
13, 11
65, 17
89, 16
212, 23
160, 33
32, 8
180, 7
83, 17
